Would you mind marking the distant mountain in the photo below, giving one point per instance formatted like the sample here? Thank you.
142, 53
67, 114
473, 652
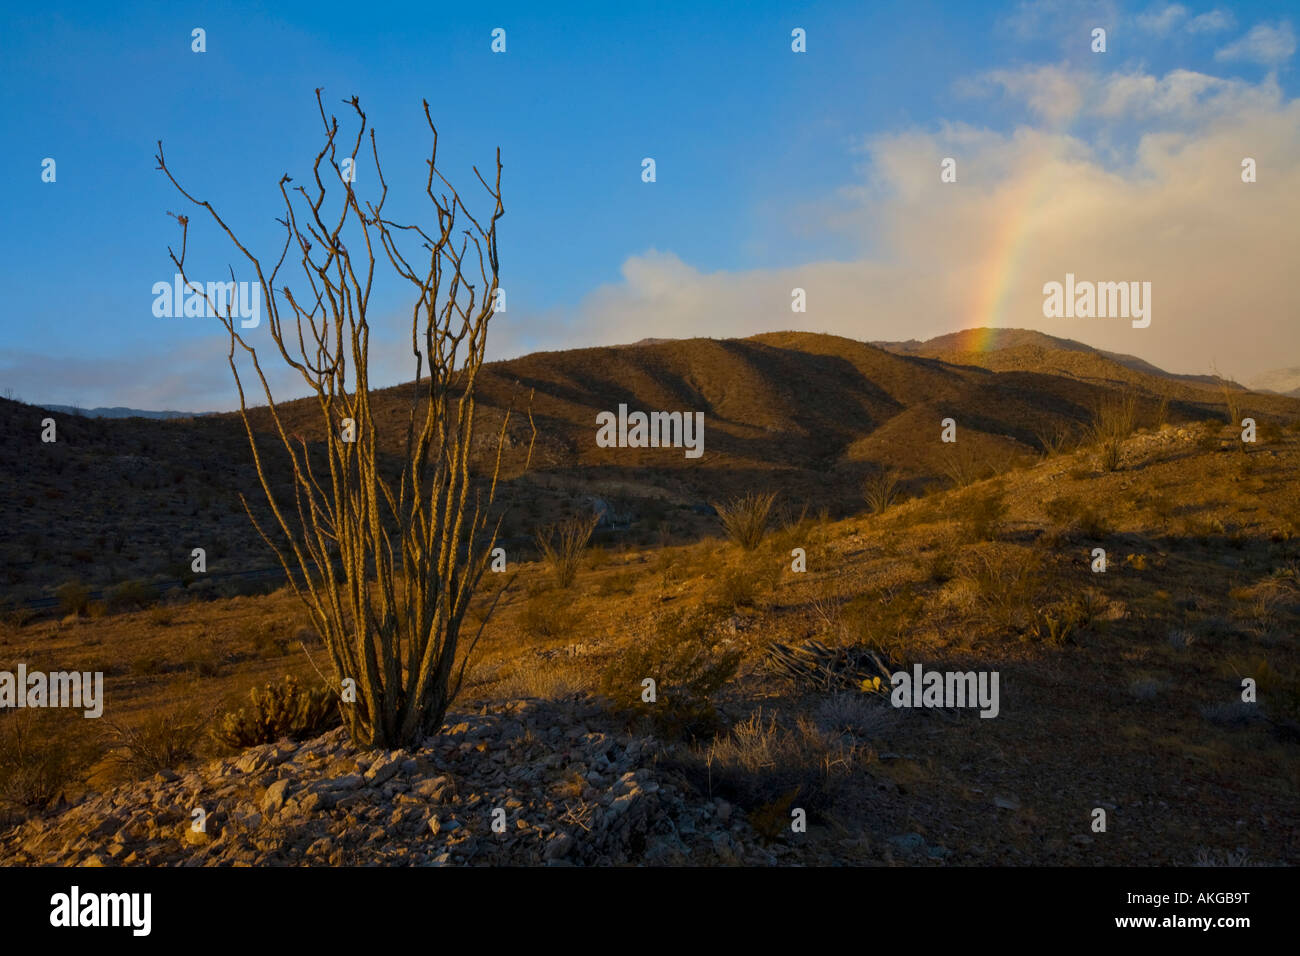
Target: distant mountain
1284, 381
120, 412
1005, 350
807, 414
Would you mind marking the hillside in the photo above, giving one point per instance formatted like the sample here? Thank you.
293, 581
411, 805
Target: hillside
812, 415
1028, 350
1119, 690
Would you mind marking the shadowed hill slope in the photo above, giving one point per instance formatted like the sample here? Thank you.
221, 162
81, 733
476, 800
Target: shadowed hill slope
807, 415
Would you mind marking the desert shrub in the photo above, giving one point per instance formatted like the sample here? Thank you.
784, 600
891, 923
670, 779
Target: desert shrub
546, 679
1162, 410
548, 615
1278, 691
148, 665
1005, 585
1054, 439
1113, 420
161, 741
941, 566
279, 710
1073, 515
74, 597
621, 582
687, 668
862, 715
881, 490
130, 595
1052, 626
1145, 689
985, 513
1231, 713
42, 752
266, 643
745, 518
1163, 505
306, 635
883, 620
199, 655
963, 466
735, 588
767, 768
562, 545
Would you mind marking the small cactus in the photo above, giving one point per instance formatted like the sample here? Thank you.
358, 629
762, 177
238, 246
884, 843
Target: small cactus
278, 710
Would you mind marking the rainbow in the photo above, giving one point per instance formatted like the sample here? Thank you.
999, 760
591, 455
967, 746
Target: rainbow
1009, 243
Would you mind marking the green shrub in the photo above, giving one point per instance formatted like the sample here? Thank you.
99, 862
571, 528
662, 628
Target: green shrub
687, 668
74, 597
735, 588
620, 582
548, 615
130, 595
1075, 516
985, 513
42, 752
883, 620
279, 710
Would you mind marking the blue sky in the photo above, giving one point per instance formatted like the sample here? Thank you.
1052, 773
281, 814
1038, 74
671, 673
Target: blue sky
767, 161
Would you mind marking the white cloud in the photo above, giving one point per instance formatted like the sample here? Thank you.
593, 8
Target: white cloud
1070, 22
1264, 44
1059, 94
1029, 206
1211, 22
1051, 92
1161, 21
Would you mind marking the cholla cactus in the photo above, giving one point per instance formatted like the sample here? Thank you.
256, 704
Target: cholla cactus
278, 710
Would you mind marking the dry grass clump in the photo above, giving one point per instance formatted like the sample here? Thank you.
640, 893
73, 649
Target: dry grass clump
562, 545
881, 490
964, 466
1114, 420
770, 769
552, 679
745, 518
162, 740
1055, 439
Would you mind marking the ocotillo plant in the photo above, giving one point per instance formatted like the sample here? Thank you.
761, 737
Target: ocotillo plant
386, 568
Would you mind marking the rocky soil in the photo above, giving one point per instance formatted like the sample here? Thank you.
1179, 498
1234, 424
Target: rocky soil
561, 784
